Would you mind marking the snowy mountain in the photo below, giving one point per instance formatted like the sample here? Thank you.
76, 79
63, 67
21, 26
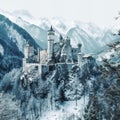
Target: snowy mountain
90, 35
79, 32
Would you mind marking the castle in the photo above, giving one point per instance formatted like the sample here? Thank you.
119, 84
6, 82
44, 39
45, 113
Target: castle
57, 53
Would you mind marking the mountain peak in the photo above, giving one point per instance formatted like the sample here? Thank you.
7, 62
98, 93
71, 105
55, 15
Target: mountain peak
22, 13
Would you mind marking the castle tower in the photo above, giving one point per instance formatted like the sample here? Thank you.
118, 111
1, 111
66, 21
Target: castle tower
51, 35
26, 55
68, 40
79, 55
28, 50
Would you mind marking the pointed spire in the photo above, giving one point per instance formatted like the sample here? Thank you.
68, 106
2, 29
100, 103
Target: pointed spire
79, 47
51, 29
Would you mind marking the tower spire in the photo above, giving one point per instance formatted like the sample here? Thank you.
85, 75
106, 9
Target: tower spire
51, 29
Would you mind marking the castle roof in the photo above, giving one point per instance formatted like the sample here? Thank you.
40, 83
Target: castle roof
87, 55
51, 29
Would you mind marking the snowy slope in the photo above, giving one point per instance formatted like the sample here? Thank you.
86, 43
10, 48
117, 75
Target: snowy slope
39, 34
12, 40
16, 34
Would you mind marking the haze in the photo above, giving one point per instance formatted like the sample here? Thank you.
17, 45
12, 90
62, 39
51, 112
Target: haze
100, 12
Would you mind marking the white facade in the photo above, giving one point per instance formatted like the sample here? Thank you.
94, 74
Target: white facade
50, 49
80, 60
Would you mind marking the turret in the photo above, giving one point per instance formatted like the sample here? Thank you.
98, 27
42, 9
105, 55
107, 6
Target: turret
68, 40
79, 47
61, 40
51, 35
28, 50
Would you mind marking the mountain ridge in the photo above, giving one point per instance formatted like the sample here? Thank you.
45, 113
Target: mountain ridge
93, 34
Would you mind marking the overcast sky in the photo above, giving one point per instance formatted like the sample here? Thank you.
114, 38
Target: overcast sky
101, 12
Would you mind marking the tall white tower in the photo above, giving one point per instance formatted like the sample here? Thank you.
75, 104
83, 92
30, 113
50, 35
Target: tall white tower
51, 35
79, 55
28, 50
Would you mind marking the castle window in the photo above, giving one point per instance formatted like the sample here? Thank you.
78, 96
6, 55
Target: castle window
36, 67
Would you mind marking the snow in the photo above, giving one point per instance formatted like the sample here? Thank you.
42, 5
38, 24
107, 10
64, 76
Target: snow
68, 109
106, 54
16, 37
87, 55
90, 35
